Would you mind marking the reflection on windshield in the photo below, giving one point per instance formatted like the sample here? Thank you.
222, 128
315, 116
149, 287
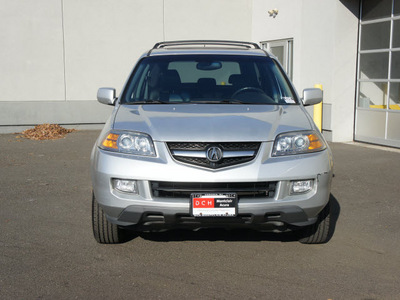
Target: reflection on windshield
211, 79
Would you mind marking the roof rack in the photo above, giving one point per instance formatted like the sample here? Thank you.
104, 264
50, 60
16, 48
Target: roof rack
206, 43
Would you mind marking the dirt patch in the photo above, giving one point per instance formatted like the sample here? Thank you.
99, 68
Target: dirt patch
46, 132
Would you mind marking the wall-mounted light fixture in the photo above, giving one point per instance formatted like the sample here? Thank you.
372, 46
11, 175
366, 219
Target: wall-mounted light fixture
273, 12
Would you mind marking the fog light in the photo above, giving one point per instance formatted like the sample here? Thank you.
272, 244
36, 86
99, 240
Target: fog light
301, 186
126, 186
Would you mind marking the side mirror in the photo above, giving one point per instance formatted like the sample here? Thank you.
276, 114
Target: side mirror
106, 96
312, 96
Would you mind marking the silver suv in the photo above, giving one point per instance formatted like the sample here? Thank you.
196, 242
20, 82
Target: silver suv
210, 134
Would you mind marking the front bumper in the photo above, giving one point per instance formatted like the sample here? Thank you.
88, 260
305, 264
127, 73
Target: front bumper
154, 212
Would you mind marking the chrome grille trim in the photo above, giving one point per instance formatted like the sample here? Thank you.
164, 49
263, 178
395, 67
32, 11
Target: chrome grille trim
202, 154
195, 153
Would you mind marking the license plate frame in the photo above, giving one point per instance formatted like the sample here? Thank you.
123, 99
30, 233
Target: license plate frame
213, 205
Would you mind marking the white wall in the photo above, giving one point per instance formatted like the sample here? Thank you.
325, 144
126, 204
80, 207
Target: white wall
344, 72
61, 51
55, 54
284, 26
208, 19
31, 51
324, 51
103, 39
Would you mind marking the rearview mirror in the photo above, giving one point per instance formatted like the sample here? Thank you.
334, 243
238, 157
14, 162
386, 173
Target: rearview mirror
209, 65
312, 96
106, 96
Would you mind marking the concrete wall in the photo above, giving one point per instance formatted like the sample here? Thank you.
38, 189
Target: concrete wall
208, 19
55, 54
31, 51
324, 52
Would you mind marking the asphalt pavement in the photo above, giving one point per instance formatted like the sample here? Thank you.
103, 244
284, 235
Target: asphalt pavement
47, 250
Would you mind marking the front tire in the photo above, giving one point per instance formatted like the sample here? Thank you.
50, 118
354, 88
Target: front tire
318, 233
104, 231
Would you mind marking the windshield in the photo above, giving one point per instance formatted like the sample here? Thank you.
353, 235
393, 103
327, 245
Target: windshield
208, 79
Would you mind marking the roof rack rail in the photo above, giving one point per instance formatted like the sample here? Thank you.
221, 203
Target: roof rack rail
206, 43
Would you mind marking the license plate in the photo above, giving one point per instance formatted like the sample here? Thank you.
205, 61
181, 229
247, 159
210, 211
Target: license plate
214, 205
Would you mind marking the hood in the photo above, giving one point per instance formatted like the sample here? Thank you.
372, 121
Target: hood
211, 122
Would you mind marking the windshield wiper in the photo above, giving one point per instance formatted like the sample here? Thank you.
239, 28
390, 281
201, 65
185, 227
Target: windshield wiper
233, 101
146, 102
225, 101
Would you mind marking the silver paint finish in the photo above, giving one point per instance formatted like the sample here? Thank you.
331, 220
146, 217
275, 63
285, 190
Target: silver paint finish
106, 95
106, 165
210, 123
312, 96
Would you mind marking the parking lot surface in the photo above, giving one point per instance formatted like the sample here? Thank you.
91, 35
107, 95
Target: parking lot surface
47, 250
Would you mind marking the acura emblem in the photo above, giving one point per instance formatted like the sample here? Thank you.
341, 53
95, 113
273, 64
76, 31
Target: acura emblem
214, 154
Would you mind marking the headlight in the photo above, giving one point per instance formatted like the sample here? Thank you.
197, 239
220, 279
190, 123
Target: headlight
298, 143
129, 142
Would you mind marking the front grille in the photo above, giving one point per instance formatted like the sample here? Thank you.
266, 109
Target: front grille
204, 162
232, 147
164, 189
204, 146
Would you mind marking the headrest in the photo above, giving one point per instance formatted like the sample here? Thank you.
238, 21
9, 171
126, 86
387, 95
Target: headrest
171, 79
173, 75
206, 82
236, 79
